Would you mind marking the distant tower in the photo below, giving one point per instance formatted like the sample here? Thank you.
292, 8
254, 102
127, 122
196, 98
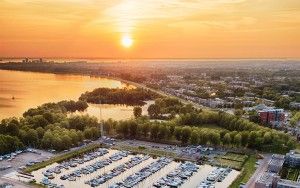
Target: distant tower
100, 120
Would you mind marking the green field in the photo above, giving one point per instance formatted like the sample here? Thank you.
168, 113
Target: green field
232, 160
62, 157
209, 127
229, 163
246, 173
290, 173
235, 157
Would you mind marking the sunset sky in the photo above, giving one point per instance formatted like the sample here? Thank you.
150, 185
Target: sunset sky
150, 28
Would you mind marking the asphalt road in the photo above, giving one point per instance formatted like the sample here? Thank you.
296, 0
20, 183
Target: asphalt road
261, 168
15, 183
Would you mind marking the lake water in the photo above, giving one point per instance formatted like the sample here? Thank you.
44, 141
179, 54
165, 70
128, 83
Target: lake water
20, 91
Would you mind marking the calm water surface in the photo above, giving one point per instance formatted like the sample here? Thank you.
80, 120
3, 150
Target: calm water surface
22, 90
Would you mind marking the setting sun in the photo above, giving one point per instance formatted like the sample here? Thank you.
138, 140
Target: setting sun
126, 41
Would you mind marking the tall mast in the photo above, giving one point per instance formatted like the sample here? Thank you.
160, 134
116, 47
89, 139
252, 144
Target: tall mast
100, 120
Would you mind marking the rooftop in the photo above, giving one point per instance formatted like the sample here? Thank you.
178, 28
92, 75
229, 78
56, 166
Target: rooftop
289, 183
266, 178
293, 154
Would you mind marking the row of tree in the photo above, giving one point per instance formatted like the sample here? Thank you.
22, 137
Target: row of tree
255, 139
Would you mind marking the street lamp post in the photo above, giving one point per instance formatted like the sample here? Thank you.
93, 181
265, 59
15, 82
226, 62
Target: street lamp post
100, 120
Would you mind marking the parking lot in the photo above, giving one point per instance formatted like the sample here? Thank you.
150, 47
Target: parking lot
22, 159
13, 164
113, 168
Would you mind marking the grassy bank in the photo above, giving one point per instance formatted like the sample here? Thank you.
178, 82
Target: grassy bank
246, 173
62, 157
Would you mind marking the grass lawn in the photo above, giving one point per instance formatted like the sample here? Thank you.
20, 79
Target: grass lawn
229, 163
235, 157
210, 127
62, 157
232, 160
246, 173
290, 173
293, 174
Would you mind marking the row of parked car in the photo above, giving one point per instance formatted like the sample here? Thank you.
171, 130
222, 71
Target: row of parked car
94, 167
142, 174
47, 183
192, 150
116, 171
74, 162
217, 175
177, 177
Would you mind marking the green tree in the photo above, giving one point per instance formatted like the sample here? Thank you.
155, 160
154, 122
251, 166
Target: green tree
267, 138
74, 137
283, 102
291, 144
40, 132
154, 111
137, 111
163, 132
194, 137
238, 112
177, 132
245, 137
154, 131
88, 134
145, 129
9, 144
203, 137
79, 122
227, 139
252, 138
109, 125
186, 134
67, 142
48, 139
133, 126
31, 138
12, 127
237, 139
39, 121
215, 138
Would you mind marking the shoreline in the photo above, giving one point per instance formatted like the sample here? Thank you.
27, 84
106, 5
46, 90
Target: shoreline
115, 78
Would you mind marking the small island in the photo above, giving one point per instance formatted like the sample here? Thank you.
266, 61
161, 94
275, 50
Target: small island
124, 96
